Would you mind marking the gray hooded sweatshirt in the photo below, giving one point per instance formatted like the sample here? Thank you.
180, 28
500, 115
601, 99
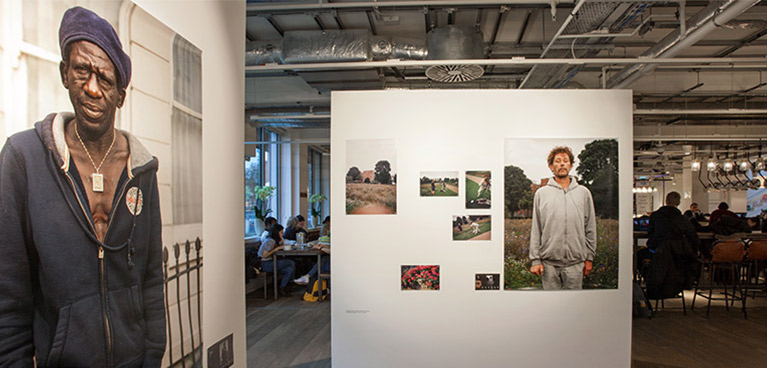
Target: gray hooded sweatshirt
564, 225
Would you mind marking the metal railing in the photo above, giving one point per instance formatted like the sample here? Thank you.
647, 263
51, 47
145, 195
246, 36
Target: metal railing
193, 357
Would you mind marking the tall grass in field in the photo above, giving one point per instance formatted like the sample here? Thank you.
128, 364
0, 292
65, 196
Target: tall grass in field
604, 274
362, 195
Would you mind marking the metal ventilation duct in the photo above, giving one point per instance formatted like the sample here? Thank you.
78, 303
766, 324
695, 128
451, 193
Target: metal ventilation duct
333, 46
455, 43
444, 43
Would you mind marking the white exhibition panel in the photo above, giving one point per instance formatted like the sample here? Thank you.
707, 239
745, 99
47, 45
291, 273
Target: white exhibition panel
375, 324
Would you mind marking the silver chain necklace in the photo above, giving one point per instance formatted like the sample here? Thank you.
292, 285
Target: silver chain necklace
96, 178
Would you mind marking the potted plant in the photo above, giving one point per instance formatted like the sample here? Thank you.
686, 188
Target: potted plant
261, 209
316, 206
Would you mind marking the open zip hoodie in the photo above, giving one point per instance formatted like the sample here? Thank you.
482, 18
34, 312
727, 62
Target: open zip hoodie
564, 229
65, 297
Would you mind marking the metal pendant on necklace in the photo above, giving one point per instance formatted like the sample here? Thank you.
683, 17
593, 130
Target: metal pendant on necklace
97, 179
98, 182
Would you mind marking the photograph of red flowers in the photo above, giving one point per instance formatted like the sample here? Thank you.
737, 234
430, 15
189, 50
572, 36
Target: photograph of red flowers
424, 277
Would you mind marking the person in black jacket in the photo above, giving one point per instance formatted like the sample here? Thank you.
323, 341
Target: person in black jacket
674, 242
295, 225
80, 227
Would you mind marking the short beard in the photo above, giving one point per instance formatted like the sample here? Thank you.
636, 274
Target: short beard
562, 176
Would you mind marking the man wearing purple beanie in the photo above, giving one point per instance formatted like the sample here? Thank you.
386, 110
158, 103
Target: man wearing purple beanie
81, 235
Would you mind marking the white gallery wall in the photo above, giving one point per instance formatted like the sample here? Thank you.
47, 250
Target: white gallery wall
217, 28
376, 324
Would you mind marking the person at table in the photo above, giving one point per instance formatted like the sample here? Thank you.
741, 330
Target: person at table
323, 245
722, 210
285, 267
268, 223
670, 231
694, 213
295, 225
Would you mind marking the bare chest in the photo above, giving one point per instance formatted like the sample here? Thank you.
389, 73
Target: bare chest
100, 188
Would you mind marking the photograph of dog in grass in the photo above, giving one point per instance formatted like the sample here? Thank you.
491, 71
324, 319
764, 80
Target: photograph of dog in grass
477, 189
371, 177
470, 227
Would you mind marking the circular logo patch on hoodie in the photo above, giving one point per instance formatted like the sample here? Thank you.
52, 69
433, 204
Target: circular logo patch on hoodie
134, 200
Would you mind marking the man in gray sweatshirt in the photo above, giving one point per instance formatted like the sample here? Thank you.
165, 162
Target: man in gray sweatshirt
563, 238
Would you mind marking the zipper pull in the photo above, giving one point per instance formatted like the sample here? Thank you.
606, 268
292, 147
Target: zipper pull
101, 252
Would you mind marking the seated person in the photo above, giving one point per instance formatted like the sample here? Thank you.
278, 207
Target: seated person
323, 245
285, 267
722, 210
268, 222
325, 234
694, 213
295, 225
673, 243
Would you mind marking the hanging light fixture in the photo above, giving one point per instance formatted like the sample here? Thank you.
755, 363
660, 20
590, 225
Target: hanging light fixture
711, 165
695, 165
727, 165
744, 165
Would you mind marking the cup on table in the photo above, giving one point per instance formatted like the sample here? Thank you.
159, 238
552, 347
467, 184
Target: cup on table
288, 247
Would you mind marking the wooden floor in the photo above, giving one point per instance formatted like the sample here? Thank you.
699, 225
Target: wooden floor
725, 339
292, 333
288, 332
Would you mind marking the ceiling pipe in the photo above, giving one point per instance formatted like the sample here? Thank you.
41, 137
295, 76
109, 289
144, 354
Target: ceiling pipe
398, 4
701, 112
710, 18
756, 61
556, 36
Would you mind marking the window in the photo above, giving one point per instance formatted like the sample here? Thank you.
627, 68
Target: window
186, 120
315, 180
261, 169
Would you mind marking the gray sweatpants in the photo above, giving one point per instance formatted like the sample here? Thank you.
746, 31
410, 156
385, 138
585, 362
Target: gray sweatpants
556, 278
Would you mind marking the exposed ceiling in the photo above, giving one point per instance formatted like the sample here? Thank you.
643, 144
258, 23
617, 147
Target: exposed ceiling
698, 69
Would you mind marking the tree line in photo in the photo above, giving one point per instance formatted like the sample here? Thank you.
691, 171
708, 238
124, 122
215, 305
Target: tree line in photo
598, 171
371, 191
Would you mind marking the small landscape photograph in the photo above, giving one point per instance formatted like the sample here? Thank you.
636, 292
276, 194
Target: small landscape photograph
439, 183
420, 277
471, 227
478, 189
487, 281
371, 177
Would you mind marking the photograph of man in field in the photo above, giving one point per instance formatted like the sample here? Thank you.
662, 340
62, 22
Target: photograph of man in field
371, 178
478, 189
468, 227
439, 183
561, 214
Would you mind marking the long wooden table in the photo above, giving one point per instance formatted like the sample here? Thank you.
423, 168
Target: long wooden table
307, 252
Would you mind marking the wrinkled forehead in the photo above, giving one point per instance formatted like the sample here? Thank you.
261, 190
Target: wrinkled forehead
86, 51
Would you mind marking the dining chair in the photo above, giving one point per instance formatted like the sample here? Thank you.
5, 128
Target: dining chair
757, 265
726, 255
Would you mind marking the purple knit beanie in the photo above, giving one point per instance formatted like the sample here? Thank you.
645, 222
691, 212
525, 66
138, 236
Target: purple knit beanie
82, 24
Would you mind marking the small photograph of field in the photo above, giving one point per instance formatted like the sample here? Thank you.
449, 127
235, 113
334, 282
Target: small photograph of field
469, 227
371, 179
478, 189
439, 183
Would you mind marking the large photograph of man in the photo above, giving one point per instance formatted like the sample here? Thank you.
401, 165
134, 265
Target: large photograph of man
81, 234
562, 228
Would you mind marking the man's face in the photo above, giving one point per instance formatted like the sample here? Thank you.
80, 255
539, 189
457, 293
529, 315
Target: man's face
561, 166
91, 79
300, 224
694, 207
